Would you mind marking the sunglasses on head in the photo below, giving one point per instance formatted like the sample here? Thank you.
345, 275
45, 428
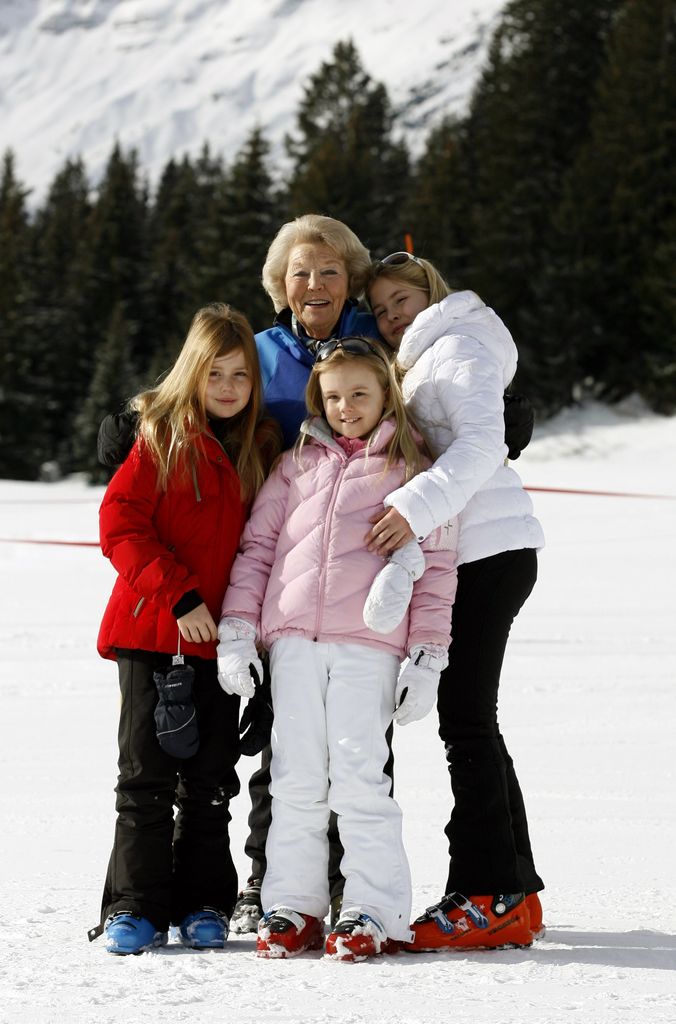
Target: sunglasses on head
397, 259
355, 346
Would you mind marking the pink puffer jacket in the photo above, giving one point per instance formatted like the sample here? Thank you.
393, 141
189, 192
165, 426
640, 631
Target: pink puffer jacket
303, 568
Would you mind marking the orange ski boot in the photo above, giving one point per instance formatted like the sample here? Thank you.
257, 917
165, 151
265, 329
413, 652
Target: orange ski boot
284, 933
535, 913
477, 922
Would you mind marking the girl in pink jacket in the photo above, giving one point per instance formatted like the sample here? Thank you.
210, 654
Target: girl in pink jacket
298, 587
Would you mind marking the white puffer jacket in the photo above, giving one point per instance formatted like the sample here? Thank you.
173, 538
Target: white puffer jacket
459, 357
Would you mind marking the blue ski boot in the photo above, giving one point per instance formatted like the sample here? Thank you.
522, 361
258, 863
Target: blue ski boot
129, 933
204, 929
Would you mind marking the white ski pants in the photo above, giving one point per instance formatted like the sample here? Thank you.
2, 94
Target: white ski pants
333, 704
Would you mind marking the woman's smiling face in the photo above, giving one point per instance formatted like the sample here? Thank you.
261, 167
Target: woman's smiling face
395, 305
316, 287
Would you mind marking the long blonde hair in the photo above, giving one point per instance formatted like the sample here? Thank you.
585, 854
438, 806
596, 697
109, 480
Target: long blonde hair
414, 272
173, 417
404, 445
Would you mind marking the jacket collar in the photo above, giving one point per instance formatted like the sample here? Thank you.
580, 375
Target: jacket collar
318, 429
437, 320
285, 318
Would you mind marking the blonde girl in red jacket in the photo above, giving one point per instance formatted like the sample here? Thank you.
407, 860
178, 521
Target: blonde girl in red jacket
298, 587
170, 523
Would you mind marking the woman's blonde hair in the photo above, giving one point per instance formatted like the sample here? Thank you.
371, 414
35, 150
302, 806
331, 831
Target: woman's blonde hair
314, 229
415, 273
173, 417
406, 443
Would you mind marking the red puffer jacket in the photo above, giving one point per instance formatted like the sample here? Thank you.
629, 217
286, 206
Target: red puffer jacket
164, 544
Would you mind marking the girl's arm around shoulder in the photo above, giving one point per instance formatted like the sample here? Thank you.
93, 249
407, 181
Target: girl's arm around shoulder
251, 569
467, 398
129, 537
434, 592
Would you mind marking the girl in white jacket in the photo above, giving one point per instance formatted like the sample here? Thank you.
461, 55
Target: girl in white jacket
458, 358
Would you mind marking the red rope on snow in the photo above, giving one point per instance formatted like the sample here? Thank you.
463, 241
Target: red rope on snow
65, 543
547, 490
602, 494
50, 501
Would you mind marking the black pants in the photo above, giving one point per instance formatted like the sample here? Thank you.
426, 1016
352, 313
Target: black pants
159, 867
489, 846
260, 817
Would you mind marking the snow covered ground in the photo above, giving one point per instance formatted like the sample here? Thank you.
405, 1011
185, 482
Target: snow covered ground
588, 709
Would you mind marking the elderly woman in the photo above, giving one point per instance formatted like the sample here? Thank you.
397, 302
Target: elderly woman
314, 273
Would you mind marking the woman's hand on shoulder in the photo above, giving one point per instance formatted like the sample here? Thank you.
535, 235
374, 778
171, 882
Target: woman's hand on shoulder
390, 532
198, 626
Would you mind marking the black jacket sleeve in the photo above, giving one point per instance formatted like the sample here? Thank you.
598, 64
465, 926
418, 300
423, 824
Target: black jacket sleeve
117, 434
519, 421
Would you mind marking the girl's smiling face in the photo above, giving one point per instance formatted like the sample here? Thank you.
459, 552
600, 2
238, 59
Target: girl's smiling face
395, 305
353, 397
229, 385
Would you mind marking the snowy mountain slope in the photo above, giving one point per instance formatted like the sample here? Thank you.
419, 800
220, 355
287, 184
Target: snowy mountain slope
166, 75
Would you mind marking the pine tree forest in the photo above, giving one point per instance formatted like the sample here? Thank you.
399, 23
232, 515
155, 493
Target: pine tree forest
554, 198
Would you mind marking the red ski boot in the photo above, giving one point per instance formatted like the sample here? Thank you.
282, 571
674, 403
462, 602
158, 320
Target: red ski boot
480, 922
283, 933
356, 937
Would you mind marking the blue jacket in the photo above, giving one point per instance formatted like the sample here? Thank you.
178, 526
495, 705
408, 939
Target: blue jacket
286, 364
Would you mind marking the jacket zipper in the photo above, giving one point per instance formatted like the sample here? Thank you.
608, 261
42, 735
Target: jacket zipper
198, 496
138, 607
198, 493
327, 524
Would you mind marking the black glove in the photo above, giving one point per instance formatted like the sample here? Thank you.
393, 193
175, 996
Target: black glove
255, 724
519, 420
117, 434
175, 717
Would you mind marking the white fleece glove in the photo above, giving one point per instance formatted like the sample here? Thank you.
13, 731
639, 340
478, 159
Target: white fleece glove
390, 594
418, 682
236, 652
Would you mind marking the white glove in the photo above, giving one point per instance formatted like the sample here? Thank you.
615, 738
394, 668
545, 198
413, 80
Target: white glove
236, 652
390, 594
418, 682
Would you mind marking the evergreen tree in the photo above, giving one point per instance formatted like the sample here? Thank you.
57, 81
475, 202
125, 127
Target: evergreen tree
58, 324
16, 353
211, 243
113, 383
115, 274
439, 210
617, 221
346, 163
176, 223
529, 117
249, 216
118, 258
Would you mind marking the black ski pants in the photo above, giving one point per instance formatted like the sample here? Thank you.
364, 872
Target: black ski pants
160, 867
489, 845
